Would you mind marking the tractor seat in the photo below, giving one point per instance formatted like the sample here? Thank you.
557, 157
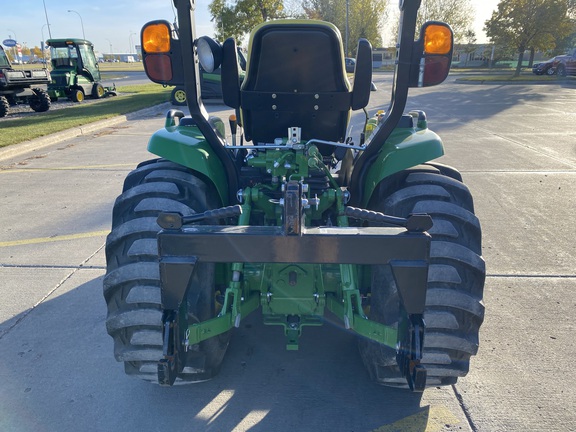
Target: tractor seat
295, 77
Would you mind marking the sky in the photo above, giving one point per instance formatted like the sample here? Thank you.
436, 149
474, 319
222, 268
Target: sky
114, 25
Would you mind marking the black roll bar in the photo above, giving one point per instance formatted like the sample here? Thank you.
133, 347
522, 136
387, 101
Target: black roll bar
187, 34
401, 85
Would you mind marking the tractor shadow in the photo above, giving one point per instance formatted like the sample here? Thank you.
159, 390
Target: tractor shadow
58, 373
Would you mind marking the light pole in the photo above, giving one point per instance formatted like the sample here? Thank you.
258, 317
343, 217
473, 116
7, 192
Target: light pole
43, 44
14, 49
347, 31
42, 31
81, 22
130, 42
110, 48
47, 23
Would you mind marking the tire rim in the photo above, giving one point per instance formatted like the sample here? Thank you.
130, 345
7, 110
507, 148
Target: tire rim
180, 96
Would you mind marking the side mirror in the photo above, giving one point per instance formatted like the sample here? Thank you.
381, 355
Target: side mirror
432, 55
161, 54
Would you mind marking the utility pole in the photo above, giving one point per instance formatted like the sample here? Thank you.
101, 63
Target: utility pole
347, 30
47, 23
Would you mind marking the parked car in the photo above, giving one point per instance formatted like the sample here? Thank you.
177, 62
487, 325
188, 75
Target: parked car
350, 64
544, 68
565, 64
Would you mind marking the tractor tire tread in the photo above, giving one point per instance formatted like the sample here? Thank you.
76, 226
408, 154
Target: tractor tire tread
131, 285
454, 308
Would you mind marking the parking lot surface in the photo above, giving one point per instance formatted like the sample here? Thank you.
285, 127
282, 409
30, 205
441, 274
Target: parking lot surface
516, 148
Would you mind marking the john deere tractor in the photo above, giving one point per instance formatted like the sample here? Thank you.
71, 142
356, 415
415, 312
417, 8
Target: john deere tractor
292, 215
75, 72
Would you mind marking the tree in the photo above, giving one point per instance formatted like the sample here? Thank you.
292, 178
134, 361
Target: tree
36, 51
459, 14
525, 24
239, 19
365, 18
469, 47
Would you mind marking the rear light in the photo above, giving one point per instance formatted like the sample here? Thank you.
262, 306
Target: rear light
437, 39
435, 45
158, 50
156, 38
435, 70
159, 67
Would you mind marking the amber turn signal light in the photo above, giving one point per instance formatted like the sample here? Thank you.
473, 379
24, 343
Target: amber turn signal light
156, 38
437, 39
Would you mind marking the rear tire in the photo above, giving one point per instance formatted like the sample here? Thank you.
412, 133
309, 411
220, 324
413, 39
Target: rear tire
454, 309
4, 106
40, 101
132, 281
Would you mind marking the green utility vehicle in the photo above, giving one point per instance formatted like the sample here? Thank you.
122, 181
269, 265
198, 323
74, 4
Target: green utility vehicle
16, 86
292, 216
210, 84
75, 72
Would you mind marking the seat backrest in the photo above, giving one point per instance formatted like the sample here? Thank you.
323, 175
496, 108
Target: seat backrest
295, 78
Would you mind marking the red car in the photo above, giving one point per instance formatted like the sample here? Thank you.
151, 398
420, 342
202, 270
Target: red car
544, 67
565, 64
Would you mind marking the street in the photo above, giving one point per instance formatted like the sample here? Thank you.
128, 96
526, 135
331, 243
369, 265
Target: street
516, 148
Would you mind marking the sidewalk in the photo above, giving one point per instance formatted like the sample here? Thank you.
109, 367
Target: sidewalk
38, 143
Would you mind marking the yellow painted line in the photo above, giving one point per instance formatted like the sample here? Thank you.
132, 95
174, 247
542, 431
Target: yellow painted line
72, 168
53, 239
430, 419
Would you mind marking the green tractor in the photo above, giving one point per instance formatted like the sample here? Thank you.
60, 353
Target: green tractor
292, 216
75, 72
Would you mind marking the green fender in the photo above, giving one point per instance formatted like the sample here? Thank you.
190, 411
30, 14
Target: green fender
185, 145
405, 148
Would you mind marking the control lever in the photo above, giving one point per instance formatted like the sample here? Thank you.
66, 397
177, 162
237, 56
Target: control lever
172, 220
413, 223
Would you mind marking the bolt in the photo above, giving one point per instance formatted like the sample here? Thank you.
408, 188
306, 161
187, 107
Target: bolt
345, 196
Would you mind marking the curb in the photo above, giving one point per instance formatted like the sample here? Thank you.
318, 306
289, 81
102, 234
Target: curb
503, 82
45, 141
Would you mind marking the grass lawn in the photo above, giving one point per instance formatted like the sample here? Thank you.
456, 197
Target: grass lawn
130, 99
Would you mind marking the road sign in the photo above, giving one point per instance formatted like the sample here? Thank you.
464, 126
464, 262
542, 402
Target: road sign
9, 42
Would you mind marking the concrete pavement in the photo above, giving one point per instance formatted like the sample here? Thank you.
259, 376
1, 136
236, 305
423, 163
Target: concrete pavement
515, 146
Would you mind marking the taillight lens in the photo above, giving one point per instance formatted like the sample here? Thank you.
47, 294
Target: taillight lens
435, 70
437, 39
159, 67
437, 43
156, 38
157, 51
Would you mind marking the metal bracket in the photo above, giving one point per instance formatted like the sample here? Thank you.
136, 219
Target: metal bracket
410, 354
293, 208
172, 363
